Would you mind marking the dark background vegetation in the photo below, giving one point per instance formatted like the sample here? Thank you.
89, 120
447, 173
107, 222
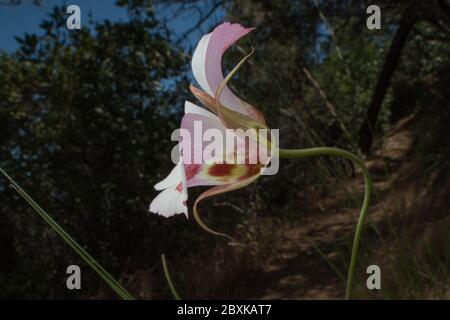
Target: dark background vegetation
85, 124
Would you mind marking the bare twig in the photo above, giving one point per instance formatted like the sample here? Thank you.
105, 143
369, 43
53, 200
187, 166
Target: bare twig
201, 21
333, 36
316, 85
228, 204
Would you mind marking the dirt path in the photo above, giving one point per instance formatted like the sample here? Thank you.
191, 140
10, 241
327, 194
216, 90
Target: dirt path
298, 270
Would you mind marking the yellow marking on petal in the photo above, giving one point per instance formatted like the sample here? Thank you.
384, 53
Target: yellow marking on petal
239, 171
228, 172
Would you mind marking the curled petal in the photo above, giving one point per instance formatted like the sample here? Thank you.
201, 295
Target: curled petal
204, 98
230, 118
216, 191
210, 103
199, 62
207, 57
207, 65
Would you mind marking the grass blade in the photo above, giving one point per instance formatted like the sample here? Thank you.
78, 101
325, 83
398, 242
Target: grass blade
115, 285
168, 278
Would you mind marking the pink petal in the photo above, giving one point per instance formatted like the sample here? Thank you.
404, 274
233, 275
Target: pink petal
207, 64
213, 170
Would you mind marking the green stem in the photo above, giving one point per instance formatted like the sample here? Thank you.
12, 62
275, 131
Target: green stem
115, 285
322, 151
168, 278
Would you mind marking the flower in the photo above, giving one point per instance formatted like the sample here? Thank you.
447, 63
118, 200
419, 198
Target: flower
227, 111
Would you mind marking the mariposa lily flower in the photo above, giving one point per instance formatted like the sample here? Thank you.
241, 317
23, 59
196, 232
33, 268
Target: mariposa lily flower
226, 111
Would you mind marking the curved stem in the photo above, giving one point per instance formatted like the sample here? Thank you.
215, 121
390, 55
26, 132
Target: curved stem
322, 151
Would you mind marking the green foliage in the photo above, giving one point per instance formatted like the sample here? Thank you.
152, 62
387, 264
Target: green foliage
421, 87
87, 122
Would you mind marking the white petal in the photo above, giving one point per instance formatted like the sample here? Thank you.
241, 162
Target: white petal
183, 184
173, 179
168, 203
199, 63
189, 107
